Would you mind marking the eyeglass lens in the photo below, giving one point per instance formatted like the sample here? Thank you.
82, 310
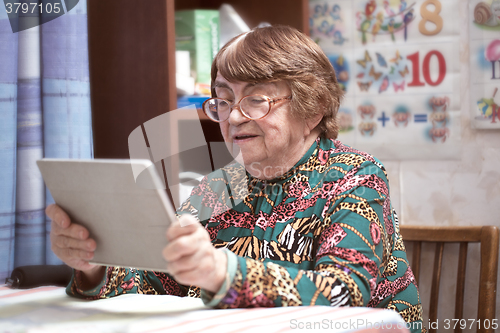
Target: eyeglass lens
254, 107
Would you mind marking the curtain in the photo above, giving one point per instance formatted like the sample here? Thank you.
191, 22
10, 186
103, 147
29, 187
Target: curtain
44, 112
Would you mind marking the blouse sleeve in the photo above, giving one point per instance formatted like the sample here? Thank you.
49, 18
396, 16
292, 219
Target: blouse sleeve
351, 250
118, 280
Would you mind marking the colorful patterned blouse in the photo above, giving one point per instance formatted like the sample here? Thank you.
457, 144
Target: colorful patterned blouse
324, 233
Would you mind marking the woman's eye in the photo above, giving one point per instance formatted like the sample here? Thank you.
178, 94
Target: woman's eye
224, 103
257, 100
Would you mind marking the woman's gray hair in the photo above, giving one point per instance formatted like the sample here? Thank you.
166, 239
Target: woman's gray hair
282, 53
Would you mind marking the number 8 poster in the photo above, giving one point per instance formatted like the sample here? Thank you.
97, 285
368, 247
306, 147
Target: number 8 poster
398, 63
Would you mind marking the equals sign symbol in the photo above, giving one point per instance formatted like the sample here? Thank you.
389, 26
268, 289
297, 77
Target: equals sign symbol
420, 118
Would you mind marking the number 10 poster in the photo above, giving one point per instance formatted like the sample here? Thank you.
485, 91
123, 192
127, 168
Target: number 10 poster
398, 63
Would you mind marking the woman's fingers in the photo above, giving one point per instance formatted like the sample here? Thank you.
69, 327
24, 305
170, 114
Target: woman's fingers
188, 240
183, 239
76, 254
184, 226
58, 215
72, 243
74, 231
204, 269
176, 231
191, 257
68, 249
193, 268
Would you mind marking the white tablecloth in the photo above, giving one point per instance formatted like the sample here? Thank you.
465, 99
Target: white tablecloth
49, 309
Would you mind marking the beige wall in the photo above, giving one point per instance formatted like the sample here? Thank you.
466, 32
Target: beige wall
463, 192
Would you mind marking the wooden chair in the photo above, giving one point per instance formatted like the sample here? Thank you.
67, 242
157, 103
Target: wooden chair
488, 237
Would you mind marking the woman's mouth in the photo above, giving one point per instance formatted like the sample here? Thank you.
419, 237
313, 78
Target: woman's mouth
243, 137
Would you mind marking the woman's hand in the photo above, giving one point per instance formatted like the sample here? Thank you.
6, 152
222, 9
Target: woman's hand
71, 243
191, 257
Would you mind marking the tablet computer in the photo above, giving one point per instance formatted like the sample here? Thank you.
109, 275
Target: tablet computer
122, 203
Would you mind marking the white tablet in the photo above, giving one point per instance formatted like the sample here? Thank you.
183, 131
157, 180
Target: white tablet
127, 218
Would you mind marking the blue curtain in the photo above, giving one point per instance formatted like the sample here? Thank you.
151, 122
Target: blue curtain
44, 112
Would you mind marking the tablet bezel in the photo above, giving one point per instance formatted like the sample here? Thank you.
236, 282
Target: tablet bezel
127, 218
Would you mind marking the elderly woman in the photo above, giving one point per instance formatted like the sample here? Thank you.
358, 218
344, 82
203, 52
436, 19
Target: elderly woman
314, 225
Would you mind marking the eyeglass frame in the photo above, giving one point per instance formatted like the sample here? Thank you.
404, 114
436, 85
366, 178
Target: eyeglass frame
269, 100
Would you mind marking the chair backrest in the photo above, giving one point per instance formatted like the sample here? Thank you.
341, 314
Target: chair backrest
488, 237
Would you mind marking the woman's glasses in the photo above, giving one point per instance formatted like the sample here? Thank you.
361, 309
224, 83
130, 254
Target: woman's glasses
253, 107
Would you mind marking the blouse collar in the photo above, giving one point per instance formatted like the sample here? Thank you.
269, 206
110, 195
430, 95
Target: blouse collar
312, 151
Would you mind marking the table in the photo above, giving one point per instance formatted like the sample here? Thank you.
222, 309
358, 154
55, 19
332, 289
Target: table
49, 309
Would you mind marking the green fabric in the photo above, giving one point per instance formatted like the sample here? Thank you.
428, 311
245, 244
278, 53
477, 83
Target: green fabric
322, 234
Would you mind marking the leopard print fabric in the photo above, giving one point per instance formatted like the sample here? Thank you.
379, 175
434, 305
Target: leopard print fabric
347, 242
324, 233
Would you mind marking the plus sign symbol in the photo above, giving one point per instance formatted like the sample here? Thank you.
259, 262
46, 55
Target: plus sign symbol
383, 118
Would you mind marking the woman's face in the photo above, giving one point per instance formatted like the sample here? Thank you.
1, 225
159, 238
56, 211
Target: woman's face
270, 146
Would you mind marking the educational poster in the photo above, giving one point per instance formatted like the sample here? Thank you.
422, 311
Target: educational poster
398, 63
484, 36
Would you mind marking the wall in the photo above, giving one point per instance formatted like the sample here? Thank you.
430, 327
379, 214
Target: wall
459, 193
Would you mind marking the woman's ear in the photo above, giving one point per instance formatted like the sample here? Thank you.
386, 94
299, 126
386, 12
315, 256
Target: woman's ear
313, 122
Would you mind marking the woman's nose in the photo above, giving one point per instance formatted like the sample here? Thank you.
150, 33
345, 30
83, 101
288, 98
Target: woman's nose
236, 117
